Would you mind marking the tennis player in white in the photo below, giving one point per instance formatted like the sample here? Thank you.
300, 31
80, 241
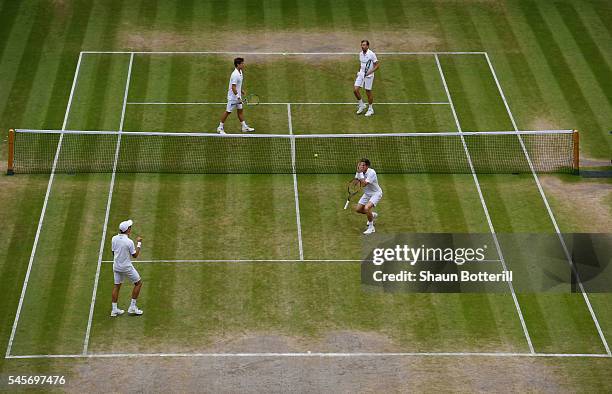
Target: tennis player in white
366, 176
234, 97
365, 78
123, 250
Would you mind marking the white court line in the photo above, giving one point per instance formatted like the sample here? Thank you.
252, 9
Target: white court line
44, 209
247, 261
295, 185
315, 354
486, 210
108, 205
276, 261
550, 212
272, 103
355, 53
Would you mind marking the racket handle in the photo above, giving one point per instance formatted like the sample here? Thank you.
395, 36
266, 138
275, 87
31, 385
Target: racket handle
346, 205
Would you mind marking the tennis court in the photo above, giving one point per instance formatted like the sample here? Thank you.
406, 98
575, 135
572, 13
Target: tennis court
269, 263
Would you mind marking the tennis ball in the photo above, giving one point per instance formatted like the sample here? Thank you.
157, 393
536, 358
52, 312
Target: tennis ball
316, 155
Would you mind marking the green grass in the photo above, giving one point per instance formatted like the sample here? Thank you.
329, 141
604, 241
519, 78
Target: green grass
553, 62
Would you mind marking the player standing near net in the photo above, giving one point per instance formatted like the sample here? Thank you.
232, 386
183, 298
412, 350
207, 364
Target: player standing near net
123, 250
234, 97
365, 77
372, 193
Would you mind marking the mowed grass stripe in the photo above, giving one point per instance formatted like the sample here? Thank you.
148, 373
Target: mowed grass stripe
518, 71
67, 245
64, 266
589, 69
540, 313
598, 14
168, 226
580, 340
15, 25
29, 62
212, 209
591, 53
57, 68
92, 91
19, 216
8, 13
564, 323
73, 34
478, 103
560, 110
480, 312
566, 80
466, 116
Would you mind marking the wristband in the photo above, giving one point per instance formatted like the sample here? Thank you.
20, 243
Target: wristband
139, 244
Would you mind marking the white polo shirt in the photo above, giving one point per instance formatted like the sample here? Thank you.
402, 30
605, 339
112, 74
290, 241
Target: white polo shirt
364, 59
235, 79
370, 177
123, 248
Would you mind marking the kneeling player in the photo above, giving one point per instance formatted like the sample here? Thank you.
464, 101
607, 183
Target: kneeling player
366, 176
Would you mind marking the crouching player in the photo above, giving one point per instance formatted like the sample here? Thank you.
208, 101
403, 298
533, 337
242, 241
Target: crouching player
366, 176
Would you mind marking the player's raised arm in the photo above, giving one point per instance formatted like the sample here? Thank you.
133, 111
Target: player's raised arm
360, 174
138, 247
123, 249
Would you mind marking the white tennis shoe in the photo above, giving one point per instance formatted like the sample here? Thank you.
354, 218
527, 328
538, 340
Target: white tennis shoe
370, 112
370, 230
361, 108
117, 312
247, 129
220, 130
133, 310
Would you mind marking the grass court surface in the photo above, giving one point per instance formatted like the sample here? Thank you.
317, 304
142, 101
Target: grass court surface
270, 263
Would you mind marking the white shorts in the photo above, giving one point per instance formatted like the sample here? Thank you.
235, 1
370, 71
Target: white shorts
232, 104
364, 82
132, 275
373, 198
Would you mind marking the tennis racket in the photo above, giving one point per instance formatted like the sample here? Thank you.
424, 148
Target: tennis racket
367, 68
353, 188
250, 99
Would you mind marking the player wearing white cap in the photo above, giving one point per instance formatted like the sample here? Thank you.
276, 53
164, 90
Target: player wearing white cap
365, 78
123, 250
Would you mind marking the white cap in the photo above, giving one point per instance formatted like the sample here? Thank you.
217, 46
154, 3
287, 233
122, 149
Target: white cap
123, 226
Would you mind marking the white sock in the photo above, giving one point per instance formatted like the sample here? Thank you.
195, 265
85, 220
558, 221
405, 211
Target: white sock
115, 306
221, 124
369, 224
371, 106
360, 101
133, 304
243, 123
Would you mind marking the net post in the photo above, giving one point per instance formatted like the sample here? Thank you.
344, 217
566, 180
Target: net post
10, 170
576, 158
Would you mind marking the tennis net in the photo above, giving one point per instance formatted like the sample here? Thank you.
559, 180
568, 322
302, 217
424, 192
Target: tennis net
36, 151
